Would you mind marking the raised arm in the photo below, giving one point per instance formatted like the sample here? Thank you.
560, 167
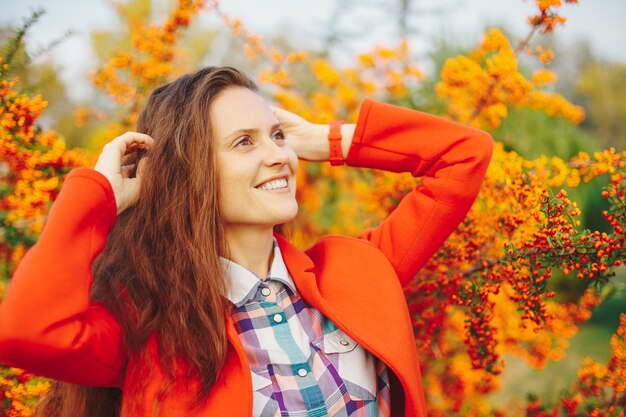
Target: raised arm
451, 157
48, 325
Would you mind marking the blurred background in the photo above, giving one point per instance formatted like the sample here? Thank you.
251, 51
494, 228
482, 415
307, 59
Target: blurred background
78, 35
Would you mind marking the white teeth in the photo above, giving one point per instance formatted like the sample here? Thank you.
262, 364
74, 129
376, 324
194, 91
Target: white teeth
272, 185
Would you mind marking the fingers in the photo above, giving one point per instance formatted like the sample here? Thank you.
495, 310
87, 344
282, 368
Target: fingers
280, 114
129, 142
132, 186
130, 139
129, 159
110, 159
127, 170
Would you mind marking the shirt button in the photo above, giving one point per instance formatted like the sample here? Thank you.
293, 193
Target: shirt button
344, 342
278, 318
266, 291
302, 372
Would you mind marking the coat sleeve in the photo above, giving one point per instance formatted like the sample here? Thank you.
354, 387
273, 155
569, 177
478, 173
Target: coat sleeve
451, 158
48, 325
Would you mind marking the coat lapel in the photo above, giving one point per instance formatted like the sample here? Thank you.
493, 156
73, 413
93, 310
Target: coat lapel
338, 304
301, 269
365, 300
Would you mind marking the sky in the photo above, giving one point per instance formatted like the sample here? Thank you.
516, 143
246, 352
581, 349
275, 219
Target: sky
598, 21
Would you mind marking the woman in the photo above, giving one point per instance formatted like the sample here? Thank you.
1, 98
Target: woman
197, 306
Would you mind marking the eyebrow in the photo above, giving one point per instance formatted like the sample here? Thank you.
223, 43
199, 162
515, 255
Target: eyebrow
250, 131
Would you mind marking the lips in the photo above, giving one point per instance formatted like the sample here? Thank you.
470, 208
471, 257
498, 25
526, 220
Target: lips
273, 178
273, 185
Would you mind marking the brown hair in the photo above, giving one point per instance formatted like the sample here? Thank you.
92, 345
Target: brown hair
163, 253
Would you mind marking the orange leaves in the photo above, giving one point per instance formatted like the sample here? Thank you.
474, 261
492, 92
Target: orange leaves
384, 70
494, 40
545, 55
295, 57
107, 80
390, 69
537, 348
21, 391
181, 17
324, 105
130, 75
18, 111
606, 384
555, 105
278, 77
609, 161
32, 161
544, 77
253, 44
324, 72
480, 87
548, 17
499, 264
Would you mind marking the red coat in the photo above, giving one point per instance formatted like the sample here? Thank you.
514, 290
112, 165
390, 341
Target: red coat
49, 326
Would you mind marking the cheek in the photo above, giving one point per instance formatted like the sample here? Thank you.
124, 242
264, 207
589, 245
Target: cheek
234, 199
294, 167
233, 171
234, 187
293, 162
231, 183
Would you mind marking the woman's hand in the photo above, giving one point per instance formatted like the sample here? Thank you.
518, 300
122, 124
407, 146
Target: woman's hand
125, 189
310, 140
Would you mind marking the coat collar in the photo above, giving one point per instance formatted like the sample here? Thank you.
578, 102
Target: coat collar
301, 268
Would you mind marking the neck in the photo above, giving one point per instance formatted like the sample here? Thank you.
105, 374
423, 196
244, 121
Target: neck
251, 248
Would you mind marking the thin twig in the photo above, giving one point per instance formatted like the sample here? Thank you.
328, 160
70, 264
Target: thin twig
16, 42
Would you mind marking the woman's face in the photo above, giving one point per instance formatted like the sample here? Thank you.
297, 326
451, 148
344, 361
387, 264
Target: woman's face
257, 167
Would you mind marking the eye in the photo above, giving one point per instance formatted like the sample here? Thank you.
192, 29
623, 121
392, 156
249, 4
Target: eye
244, 141
280, 135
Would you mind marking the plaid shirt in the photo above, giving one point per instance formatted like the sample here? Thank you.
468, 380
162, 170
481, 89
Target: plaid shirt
301, 363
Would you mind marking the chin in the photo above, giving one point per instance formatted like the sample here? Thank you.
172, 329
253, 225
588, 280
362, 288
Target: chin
289, 216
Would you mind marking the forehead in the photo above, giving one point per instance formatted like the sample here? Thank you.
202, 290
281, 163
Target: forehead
239, 108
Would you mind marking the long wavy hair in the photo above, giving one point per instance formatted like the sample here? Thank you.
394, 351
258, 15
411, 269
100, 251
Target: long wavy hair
159, 273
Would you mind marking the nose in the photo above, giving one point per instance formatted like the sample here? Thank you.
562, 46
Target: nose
275, 154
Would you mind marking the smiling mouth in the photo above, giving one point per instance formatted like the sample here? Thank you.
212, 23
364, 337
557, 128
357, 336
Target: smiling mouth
273, 185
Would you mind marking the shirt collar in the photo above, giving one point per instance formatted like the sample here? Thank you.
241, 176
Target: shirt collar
243, 283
